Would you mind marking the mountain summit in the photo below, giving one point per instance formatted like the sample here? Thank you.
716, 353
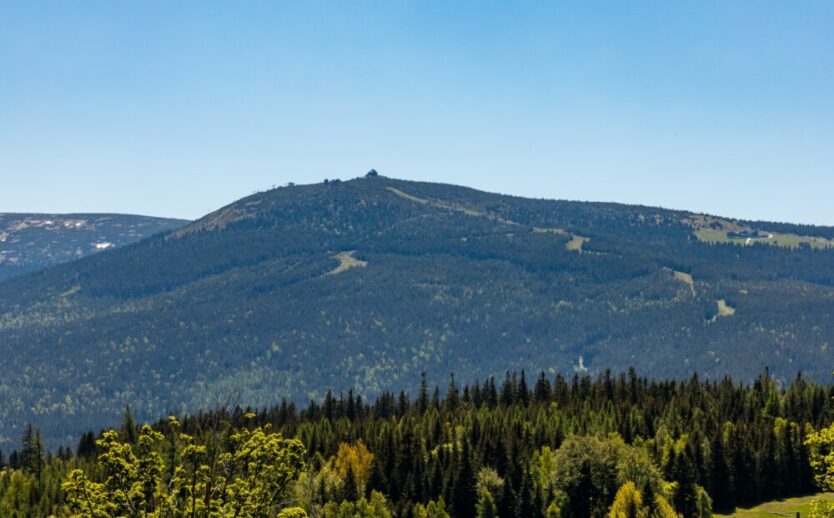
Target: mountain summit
365, 283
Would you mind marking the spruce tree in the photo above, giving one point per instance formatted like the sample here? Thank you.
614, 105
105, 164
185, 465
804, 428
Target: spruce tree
464, 493
127, 431
452, 396
723, 491
423, 398
350, 491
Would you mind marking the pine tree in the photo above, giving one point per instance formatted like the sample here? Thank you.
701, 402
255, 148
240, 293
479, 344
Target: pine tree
350, 491
723, 490
541, 392
452, 396
507, 501
523, 392
377, 480
423, 398
32, 454
128, 429
527, 499
686, 497
464, 495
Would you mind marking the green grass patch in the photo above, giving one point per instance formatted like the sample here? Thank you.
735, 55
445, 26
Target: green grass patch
575, 243
710, 235
787, 507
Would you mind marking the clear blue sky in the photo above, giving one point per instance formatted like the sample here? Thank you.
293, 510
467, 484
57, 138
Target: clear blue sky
176, 108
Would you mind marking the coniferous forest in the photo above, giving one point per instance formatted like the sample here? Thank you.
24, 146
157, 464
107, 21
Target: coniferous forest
366, 283
610, 445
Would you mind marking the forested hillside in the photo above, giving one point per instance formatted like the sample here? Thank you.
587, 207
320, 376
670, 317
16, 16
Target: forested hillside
29, 242
364, 284
612, 445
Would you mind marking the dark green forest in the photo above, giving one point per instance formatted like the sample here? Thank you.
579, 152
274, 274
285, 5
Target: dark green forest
513, 446
364, 284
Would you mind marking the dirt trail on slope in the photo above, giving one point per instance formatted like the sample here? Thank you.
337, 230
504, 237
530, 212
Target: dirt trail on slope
574, 245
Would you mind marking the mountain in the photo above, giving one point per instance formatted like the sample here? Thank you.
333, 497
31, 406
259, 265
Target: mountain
29, 242
365, 283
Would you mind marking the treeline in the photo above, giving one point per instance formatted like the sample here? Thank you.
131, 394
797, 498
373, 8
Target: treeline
514, 447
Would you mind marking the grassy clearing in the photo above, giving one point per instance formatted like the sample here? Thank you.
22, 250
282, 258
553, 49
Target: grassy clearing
711, 235
575, 243
788, 507
686, 279
724, 309
346, 262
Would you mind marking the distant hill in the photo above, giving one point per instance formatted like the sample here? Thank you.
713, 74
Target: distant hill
29, 242
365, 283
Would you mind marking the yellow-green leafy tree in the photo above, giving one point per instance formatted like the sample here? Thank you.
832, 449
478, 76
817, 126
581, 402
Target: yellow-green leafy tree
821, 446
357, 460
431, 510
374, 507
628, 503
249, 478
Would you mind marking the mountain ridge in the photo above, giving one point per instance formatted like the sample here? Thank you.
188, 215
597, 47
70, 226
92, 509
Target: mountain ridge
31, 241
254, 301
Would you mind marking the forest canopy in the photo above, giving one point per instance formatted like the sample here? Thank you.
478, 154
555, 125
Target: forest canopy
611, 445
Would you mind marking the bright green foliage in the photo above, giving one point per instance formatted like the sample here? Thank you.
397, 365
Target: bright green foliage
489, 480
132, 486
704, 507
249, 479
662, 509
631, 503
589, 470
822, 461
542, 468
486, 507
87, 498
553, 510
822, 456
20, 495
628, 503
375, 507
821, 509
292, 512
431, 510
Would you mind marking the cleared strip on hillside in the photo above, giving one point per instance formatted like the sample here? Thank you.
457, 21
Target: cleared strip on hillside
574, 245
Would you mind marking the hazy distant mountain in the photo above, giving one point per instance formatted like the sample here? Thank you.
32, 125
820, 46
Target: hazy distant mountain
366, 283
30, 242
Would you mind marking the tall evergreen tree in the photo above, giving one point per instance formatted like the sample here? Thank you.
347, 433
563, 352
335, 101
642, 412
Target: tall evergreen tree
464, 496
